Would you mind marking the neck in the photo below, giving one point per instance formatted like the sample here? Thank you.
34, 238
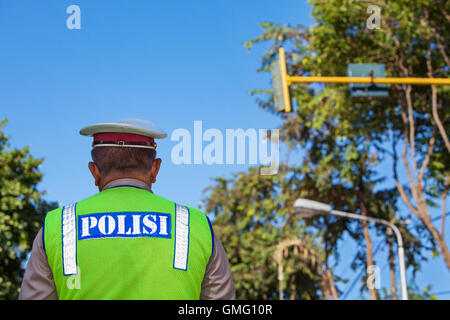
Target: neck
128, 181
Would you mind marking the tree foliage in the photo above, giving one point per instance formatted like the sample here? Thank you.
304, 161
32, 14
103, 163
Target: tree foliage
369, 156
251, 219
22, 210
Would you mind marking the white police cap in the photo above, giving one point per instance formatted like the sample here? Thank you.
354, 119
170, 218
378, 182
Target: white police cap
124, 133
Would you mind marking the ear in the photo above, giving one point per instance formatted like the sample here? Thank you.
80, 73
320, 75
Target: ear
155, 169
95, 172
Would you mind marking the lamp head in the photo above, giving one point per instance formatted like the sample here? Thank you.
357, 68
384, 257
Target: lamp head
306, 208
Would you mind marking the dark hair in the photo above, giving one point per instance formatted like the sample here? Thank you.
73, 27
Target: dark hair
123, 159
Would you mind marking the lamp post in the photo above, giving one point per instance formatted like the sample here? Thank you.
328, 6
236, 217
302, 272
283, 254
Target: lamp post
309, 208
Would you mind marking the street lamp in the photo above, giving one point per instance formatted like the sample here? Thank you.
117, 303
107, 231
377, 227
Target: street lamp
308, 208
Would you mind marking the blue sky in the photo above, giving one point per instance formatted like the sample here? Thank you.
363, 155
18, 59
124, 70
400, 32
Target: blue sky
168, 62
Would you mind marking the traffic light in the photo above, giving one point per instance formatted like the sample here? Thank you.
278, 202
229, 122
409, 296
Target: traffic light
364, 79
374, 70
281, 94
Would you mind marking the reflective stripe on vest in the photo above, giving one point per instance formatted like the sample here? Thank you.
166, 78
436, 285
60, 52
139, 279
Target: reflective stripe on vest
180, 258
69, 240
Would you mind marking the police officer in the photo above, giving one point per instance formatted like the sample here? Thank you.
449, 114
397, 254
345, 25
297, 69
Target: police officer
125, 242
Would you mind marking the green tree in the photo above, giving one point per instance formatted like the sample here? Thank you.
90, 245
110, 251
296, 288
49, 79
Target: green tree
22, 211
270, 253
347, 142
414, 293
413, 121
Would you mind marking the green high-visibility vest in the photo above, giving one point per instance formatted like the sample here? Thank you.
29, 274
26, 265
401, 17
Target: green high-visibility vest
127, 243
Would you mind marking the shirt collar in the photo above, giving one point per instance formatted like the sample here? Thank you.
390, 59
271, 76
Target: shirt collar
127, 182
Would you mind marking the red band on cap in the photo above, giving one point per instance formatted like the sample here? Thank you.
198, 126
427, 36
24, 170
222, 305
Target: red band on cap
120, 136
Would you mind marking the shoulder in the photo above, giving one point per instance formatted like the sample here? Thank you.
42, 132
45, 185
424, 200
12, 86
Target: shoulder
53, 216
54, 212
198, 218
197, 214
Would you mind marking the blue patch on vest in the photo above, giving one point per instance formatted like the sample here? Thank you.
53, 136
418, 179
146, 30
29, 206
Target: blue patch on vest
124, 225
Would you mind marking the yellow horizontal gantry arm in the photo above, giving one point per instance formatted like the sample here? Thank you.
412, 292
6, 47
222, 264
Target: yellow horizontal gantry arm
419, 81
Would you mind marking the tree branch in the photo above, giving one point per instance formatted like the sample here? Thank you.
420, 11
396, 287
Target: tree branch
437, 119
441, 48
409, 124
411, 132
439, 43
434, 100
405, 158
445, 13
427, 157
400, 188
444, 199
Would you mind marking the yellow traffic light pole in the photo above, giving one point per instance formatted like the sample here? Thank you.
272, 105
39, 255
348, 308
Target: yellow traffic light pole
287, 80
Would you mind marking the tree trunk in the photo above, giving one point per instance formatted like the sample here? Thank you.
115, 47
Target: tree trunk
438, 237
369, 249
332, 286
325, 286
392, 268
294, 292
424, 215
